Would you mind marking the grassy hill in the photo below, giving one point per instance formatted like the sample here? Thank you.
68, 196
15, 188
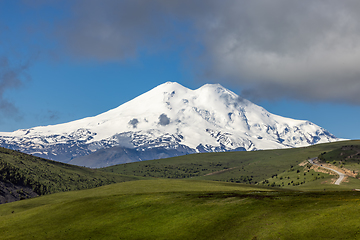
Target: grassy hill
22, 175
189, 208
348, 155
183, 209
306, 178
23, 171
241, 167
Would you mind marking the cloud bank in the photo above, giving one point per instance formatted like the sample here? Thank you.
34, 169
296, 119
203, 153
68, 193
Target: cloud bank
10, 78
307, 50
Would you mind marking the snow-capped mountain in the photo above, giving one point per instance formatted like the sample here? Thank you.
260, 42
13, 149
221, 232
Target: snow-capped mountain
172, 119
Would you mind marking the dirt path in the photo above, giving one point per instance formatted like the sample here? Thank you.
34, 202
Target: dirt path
341, 175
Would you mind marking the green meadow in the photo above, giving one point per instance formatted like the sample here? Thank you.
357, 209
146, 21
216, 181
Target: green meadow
234, 195
240, 167
183, 209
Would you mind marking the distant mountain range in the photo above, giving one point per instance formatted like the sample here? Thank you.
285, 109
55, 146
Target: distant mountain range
169, 120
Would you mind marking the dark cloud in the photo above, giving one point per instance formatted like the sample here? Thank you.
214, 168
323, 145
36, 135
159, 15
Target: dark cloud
116, 30
17, 54
307, 50
11, 77
8, 109
164, 120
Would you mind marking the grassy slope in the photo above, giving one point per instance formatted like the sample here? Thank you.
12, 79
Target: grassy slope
243, 167
193, 209
46, 176
295, 176
346, 156
178, 209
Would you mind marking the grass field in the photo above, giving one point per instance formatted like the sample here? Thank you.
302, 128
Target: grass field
242, 167
307, 206
183, 209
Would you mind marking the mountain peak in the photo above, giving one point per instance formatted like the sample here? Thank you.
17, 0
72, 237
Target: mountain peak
171, 117
167, 86
212, 85
171, 83
209, 88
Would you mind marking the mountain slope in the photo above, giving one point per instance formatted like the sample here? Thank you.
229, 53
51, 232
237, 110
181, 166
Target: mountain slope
24, 176
170, 117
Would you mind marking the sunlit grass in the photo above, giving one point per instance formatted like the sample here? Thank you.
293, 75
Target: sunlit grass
178, 209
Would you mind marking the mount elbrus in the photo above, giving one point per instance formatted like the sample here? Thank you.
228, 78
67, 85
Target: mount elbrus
169, 120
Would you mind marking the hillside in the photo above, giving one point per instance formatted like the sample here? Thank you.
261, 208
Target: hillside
278, 168
191, 208
183, 209
241, 167
23, 176
348, 155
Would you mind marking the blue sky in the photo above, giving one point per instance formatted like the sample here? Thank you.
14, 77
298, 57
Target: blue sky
65, 60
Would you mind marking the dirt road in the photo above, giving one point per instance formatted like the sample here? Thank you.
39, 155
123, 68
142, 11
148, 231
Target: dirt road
341, 175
